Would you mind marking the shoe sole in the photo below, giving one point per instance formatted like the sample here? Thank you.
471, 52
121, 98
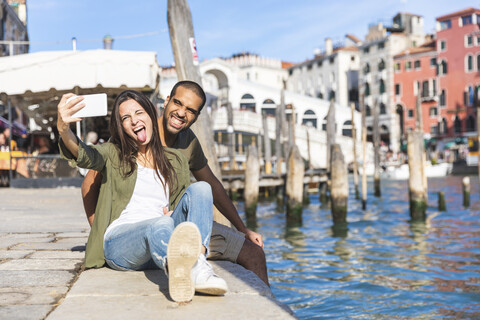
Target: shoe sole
212, 291
182, 253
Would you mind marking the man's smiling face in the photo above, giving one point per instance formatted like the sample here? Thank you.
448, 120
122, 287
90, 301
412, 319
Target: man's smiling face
181, 110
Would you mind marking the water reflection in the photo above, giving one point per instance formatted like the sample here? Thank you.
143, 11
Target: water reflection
381, 265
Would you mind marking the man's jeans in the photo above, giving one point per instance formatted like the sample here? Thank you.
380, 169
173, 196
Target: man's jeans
143, 245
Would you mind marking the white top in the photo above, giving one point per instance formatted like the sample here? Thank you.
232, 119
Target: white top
147, 202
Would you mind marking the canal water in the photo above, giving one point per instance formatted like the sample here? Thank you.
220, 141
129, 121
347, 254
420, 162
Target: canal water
383, 266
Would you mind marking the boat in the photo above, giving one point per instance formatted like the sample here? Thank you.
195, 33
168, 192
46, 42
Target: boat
432, 170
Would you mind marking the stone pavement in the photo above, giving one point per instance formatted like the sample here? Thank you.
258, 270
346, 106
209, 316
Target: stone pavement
42, 241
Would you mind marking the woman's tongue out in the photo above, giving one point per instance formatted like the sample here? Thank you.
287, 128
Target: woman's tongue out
141, 135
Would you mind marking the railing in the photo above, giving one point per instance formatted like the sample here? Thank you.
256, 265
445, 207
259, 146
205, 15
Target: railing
26, 170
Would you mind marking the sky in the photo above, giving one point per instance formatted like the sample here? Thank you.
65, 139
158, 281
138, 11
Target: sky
281, 29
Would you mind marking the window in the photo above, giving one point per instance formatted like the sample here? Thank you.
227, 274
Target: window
470, 97
381, 65
367, 89
469, 61
352, 58
457, 124
443, 45
434, 87
416, 87
331, 95
408, 65
468, 41
443, 98
366, 50
442, 67
368, 112
366, 69
383, 108
381, 45
319, 64
434, 129
433, 62
397, 67
309, 119
416, 64
424, 89
397, 89
347, 128
332, 60
470, 123
478, 62
410, 113
446, 24
433, 112
466, 20
309, 67
382, 86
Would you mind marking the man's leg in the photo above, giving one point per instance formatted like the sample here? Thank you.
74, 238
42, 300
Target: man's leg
252, 258
231, 245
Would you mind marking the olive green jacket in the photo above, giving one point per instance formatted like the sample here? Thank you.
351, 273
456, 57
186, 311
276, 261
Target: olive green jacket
116, 190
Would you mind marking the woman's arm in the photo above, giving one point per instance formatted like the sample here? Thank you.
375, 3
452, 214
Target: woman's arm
64, 119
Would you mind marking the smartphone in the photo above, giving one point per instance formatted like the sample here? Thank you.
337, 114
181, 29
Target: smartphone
95, 105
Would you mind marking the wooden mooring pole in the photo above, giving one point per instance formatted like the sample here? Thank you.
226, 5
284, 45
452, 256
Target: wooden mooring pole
252, 181
364, 155
339, 188
355, 162
330, 132
466, 191
294, 185
441, 201
267, 146
187, 67
416, 186
376, 153
231, 137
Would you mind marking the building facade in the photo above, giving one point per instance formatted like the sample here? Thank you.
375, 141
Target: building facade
377, 53
416, 74
458, 58
332, 74
13, 16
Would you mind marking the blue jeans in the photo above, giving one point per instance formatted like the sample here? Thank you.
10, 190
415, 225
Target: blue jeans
143, 245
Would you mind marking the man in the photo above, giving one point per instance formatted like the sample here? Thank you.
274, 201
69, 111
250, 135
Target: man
182, 109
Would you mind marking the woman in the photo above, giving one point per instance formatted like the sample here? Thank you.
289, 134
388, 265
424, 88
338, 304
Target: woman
133, 229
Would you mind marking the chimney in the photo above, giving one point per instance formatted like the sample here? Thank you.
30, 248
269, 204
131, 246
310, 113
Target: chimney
107, 42
328, 46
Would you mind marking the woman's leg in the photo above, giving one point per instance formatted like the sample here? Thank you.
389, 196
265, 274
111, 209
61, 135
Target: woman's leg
196, 205
139, 246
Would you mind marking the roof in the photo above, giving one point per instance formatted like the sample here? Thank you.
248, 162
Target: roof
353, 38
65, 70
426, 47
408, 14
286, 65
458, 13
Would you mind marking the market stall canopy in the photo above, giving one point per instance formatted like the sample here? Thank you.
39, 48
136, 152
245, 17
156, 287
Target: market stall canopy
41, 78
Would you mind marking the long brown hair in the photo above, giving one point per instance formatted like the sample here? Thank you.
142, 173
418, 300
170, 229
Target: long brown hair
128, 148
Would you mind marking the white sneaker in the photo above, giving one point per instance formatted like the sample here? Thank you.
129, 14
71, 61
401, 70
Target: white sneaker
206, 281
183, 250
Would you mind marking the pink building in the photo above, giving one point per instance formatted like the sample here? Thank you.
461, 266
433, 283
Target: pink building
416, 73
458, 59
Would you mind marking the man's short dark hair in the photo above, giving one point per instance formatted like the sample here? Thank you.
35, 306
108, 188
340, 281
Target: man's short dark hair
193, 86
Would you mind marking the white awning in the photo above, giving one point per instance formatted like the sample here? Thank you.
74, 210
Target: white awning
64, 70
35, 82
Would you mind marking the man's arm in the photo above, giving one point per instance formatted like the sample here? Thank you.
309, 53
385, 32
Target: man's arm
224, 203
90, 191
